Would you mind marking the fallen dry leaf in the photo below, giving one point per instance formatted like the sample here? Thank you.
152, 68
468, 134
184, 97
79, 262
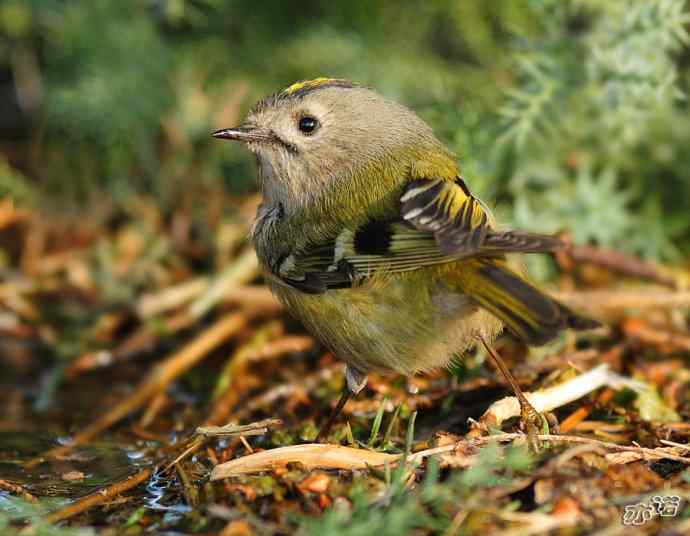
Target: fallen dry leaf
237, 527
311, 455
73, 475
316, 483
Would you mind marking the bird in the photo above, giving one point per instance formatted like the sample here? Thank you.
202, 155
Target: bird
370, 236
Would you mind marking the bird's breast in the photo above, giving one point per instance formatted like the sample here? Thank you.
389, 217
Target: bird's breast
407, 322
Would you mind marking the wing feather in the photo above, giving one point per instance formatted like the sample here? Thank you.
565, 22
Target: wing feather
447, 209
440, 221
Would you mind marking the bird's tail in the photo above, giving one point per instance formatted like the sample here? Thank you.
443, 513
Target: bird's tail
525, 310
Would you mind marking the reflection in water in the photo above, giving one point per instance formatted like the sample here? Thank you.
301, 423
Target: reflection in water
96, 466
157, 490
81, 472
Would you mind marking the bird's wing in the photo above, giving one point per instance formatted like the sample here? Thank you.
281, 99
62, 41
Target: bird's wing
314, 270
460, 222
440, 221
447, 210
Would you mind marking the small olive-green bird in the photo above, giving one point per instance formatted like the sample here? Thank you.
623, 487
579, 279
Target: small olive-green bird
370, 236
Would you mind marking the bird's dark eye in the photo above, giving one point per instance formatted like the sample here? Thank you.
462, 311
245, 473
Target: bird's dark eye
308, 124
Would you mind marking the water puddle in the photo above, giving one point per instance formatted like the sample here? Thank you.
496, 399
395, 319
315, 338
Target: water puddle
85, 470
81, 472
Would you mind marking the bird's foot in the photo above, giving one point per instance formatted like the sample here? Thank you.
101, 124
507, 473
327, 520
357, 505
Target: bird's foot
534, 423
355, 381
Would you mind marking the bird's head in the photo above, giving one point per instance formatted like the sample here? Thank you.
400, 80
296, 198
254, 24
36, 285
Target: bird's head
326, 139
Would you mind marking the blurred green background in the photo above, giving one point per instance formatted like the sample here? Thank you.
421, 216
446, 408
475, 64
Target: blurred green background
565, 114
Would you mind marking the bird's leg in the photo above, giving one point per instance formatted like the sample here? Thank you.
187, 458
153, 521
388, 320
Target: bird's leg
355, 381
531, 418
326, 429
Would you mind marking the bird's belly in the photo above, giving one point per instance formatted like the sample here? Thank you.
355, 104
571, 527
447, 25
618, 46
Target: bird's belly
409, 324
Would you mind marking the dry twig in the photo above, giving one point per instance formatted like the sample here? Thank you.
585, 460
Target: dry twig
99, 497
16, 489
623, 263
615, 300
229, 430
317, 455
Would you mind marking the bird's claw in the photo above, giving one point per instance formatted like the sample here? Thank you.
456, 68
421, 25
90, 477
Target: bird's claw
533, 424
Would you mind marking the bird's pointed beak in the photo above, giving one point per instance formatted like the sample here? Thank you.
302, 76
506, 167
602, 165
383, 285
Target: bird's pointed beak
243, 134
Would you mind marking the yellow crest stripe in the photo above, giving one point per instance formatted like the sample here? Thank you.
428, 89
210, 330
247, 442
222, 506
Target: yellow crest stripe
309, 84
301, 89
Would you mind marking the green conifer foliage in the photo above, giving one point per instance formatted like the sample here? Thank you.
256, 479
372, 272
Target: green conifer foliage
568, 114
